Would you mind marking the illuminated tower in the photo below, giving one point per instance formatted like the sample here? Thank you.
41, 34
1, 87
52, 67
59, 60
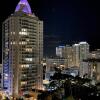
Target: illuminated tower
22, 39
84, 50
76, 54
83, 54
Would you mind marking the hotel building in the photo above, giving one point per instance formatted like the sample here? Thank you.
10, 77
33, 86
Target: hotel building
22, 38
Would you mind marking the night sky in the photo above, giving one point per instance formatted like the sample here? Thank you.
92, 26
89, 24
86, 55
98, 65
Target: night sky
73, 20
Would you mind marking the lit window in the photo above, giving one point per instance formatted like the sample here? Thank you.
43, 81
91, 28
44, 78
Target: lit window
12, 43
6, 74
27, 39
29, 49
5, 78
24, 75
23, 83
25, 66
13, 33
24, 30
28, 59
23, 43
23, 33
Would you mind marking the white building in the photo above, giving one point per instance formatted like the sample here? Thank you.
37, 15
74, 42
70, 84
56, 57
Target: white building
60, 51
76, 59
83, 50
93, 61
22, 39
75, 54
55, 62
83, 54
67, 53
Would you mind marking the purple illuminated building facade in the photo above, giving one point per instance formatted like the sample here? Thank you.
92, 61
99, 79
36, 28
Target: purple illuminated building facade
24, 6
22, 38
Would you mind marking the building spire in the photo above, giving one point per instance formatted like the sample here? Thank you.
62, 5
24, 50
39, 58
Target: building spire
23, 6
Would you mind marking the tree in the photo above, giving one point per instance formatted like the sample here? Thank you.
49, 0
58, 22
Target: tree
70, 98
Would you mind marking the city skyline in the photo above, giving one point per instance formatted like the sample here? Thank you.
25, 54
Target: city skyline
73, 21
49, 50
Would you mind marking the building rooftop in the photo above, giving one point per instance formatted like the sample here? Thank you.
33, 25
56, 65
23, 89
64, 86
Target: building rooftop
24, 6
83, 42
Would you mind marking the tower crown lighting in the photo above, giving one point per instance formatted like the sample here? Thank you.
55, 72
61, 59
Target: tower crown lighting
23, 6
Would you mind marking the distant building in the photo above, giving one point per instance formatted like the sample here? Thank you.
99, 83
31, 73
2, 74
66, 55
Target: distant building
51, 64
83, 54
55, 62
74, 71
76, 58
83, 50
74, 54
60, 50
84, 69
69, 55
94, 54
22, 39
93, 62
94, 68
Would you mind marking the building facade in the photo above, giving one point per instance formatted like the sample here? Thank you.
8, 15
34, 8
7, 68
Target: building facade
83, 54
93, 64
22, 37
56, 62
76, 59
83, 50
74, 54
69, 55
60, 50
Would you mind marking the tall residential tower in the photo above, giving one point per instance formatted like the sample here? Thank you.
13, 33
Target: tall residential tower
22, 39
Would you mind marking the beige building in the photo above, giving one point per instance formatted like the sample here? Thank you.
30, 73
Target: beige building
74, 54
76, 59
83, 50
51, 63
67, 53
22, 37
91, 67
60, 51
94, 64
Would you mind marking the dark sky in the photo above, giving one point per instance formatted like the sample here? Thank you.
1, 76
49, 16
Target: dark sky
74, 20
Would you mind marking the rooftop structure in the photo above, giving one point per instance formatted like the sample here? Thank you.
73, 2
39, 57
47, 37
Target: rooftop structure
23, 6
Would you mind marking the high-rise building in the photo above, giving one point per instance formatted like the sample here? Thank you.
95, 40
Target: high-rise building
74, 54
94, 54
69, 55
80, 52
93, 68
22, 39
60, 50
76, 59
83, 50
83, 54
